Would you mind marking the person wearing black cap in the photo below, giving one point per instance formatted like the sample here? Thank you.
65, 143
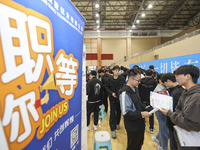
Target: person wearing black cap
94, 92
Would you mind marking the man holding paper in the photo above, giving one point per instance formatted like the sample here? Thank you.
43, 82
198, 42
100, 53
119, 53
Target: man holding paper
187, 112
175, 91
133, 111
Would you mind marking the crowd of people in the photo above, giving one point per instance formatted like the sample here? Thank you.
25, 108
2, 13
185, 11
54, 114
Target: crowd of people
128, 92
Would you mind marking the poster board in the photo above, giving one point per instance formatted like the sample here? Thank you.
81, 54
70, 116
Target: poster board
40, 75
169, 65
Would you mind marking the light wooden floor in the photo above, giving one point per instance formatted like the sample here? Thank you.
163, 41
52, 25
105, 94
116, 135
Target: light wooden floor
120, 142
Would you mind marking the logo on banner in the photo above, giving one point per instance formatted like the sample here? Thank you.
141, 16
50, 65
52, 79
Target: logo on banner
26, 52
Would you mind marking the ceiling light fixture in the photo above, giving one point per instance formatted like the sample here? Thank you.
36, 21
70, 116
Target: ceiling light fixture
150, 6
137, 21
97, 15
97, 21
143, 15
98, 30
133, 26
96, 5
98, 26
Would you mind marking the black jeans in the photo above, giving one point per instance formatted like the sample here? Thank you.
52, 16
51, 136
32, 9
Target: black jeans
92, 107
173, 144
151, 121
115, 113
135, 140
105, 100
151, 118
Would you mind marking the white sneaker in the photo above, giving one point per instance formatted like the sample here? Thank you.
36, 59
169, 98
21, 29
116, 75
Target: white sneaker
88, 128
113, 134
155, 139
94, 127
159, 147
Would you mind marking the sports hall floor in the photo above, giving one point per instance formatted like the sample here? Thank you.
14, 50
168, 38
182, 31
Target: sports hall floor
121, 141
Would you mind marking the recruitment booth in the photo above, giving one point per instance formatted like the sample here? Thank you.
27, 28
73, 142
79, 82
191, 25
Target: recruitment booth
41, 44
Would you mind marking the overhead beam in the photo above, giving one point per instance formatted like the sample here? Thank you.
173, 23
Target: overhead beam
195, 20
176, 12
135, 11
138, 11
80, 4
124, 13
109, 0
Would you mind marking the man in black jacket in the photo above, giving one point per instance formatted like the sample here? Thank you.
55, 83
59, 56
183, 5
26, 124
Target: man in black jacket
114, 83
147, 84
133, 111
151, 67
125, 74
94, 92
103, 78
175, 91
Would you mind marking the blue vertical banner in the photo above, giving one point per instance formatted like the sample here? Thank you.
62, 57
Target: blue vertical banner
41, 46
169, 65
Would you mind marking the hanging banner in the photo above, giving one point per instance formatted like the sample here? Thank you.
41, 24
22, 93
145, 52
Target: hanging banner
169, 65
41, 45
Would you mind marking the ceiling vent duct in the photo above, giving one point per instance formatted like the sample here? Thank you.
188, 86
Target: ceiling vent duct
144, 34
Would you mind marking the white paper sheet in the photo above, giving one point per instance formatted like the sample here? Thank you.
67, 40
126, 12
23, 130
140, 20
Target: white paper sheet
161, 101
153, 111
187, 138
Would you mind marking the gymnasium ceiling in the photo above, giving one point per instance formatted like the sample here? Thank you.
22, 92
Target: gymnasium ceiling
123, 14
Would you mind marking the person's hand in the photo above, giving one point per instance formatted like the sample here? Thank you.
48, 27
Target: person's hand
147, 106
114, 95
164, 111
145, 114
45, 99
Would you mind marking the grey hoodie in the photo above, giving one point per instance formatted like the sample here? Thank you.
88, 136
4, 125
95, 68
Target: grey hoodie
187, 112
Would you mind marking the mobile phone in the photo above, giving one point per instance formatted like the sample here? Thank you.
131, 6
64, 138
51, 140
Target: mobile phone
149, 108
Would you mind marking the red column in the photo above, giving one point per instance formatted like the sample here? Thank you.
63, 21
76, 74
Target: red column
99, 52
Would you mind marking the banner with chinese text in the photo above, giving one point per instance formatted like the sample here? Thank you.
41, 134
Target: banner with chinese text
169, 65
41, 45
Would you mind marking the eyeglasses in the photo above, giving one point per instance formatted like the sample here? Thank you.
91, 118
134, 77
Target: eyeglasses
136, 80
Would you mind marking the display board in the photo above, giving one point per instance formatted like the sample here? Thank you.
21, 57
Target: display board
171, 64
41, 45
